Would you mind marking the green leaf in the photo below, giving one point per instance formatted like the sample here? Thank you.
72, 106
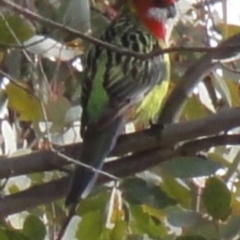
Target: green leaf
137, 191
143, 223
176, 190
3, 235
189, 167
159, 199
93, 213
56, 110
91, 226
14, 28
216, 198
29, 108
34, 228
12, 235
93, 203
117, 233
205, 228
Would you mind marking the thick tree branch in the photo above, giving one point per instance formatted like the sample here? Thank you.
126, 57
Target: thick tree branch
140, 141
185, 131
47, 192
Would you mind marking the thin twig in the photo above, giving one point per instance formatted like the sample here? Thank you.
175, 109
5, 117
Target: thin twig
71, 160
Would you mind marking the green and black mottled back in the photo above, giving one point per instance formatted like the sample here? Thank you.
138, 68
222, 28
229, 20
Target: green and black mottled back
113, 81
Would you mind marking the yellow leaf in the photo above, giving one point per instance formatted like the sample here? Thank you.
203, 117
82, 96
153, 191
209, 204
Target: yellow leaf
234, 90
235, 207
228, 30
153, 212
24, 103
194, 109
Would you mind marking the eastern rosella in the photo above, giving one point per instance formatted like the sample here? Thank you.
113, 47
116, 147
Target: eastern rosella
114, 83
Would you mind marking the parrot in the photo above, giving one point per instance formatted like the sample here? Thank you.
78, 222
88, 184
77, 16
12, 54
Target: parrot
114, 83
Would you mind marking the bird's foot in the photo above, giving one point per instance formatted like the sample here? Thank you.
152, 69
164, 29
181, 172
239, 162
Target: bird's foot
156, 129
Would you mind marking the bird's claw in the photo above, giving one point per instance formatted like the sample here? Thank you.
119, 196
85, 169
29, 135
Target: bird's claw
156, 129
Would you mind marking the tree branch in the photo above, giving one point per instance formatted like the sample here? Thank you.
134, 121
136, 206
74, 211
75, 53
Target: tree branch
191, 147
206, 2
172, 134
47, 192
174, 103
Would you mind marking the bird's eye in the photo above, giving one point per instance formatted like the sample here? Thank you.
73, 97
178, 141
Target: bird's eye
163, 3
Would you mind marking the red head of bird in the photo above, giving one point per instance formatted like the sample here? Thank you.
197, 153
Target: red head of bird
154, 13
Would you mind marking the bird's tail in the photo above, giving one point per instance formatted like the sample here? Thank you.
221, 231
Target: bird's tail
96, 147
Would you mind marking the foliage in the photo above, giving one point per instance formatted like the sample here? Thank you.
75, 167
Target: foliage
191, 195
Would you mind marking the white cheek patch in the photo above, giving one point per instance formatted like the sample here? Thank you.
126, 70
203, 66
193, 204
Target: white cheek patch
157, 14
